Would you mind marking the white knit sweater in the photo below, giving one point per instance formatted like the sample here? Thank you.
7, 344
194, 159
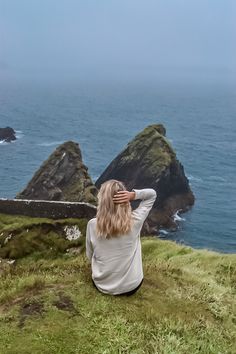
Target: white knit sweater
117, 262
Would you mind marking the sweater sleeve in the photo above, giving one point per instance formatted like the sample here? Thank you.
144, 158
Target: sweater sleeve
89, 248
148, 197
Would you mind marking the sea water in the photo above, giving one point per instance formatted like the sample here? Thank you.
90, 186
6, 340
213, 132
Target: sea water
200, 120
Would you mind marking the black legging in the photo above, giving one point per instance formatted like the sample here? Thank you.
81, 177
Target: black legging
128, 293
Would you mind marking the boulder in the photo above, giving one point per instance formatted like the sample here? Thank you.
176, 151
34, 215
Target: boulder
149, 161
7, 134
63, 176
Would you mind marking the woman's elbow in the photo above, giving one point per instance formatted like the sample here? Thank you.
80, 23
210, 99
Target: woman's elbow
154, 193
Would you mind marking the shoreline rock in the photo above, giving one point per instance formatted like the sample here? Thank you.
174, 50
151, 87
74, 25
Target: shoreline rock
7, 134
149, 161
63, 177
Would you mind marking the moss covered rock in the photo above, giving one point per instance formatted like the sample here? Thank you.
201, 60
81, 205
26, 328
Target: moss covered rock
149, 161
21, 236
63, 176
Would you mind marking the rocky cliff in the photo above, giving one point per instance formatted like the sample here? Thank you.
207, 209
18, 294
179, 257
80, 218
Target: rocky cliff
149, 161
7, 134
63, 176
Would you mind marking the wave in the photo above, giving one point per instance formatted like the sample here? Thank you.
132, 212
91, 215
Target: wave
176, 216
19, 134
3, 142
212, 178
216, 179
163, 232
194, 179
50, 143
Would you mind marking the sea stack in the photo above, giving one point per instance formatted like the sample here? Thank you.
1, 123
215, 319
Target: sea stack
63, 176
7, 134
149, 161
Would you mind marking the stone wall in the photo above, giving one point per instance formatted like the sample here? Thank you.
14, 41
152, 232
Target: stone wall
47, 209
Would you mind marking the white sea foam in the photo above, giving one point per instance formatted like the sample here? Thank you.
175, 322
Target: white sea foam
3, 142
176, 216
194, 178
50, 143
19, 134
163, 232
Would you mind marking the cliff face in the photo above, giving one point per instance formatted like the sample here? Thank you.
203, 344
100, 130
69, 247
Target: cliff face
63, 176
149, 161
7, 134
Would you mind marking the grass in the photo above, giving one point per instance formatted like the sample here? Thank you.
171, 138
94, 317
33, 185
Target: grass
187, 304
21, 236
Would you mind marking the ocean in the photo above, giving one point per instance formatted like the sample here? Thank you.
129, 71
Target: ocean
200, 120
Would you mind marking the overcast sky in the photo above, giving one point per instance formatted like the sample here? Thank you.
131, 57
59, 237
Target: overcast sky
117, 38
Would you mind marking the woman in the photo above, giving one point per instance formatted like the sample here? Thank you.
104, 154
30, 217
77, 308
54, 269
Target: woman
113, 238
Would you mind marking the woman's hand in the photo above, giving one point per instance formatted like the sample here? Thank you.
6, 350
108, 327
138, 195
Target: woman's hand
123, 197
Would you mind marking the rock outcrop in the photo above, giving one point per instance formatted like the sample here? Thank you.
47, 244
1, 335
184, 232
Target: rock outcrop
26, 236
7, 134
149, 161
63, 176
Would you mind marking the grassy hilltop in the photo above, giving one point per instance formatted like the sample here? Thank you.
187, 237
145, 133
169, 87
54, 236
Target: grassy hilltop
187, 303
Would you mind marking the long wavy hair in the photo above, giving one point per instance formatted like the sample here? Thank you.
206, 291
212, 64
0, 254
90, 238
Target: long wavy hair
113, 219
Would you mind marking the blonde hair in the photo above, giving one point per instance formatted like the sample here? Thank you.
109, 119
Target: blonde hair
113, 219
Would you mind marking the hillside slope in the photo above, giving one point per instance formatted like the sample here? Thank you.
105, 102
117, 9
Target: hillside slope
187, 304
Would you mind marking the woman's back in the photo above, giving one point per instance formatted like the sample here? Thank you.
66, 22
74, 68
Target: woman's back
117, 261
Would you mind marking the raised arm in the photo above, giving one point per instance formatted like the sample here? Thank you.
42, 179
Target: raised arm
148, 197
